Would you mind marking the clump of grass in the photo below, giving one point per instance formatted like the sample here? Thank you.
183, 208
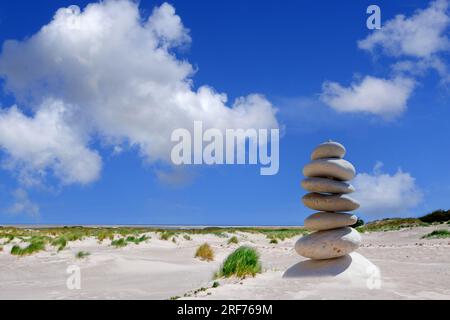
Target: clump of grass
82, 254
174, 240
273, 241
103, 235
187, 237
175, 298
437, 234
60, 242
34, 246
166, 235
119, 243
215, 284
220, 234
136, 240
205, 252
243, 262
234, 240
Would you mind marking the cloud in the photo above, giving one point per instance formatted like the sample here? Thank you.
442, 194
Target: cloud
385, 195
415, 44
46, 141
106, 74
384, 97
421, 35
23, 205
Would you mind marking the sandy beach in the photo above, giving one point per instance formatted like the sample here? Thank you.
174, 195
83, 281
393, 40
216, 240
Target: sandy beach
410, 268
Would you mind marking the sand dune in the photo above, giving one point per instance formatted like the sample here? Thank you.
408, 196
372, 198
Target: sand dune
409, 267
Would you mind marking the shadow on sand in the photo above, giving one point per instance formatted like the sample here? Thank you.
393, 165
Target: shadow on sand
319, 268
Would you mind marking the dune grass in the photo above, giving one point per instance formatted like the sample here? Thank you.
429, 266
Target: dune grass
437, 234
273, 241
166, 235
233, 240
283, 234
33, 247
243, 262
119, 243
391, 224
60, 242
187, 237
205, 252
137, 240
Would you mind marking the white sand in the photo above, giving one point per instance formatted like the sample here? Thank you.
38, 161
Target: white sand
409, 267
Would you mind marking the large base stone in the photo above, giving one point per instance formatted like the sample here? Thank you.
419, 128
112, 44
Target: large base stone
353, 268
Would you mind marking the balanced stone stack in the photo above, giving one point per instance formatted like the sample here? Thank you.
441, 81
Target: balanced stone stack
327, 178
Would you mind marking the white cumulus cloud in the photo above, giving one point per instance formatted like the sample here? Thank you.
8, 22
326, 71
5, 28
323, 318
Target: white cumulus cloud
421, 35
383, 97
111, 76
46, 140
385, 195
416, 44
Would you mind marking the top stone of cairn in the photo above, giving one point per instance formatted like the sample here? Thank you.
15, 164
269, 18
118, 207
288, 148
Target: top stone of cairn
329, 149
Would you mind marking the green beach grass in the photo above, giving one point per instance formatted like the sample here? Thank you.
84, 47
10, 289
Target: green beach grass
243, 262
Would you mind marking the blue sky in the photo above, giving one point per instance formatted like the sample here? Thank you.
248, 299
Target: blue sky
288, 51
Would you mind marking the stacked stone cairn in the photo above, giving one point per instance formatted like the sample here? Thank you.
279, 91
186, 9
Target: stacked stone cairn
327, 177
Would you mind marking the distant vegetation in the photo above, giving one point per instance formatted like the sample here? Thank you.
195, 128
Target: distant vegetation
359, 223
436, 216
205, 252
437, 234
29, 241
282, 234
243, 262
391, 224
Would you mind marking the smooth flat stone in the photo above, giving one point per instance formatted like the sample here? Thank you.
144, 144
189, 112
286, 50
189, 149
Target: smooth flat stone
330, 202
328, 244
325, 185
328, 149
329, 220
339, 169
